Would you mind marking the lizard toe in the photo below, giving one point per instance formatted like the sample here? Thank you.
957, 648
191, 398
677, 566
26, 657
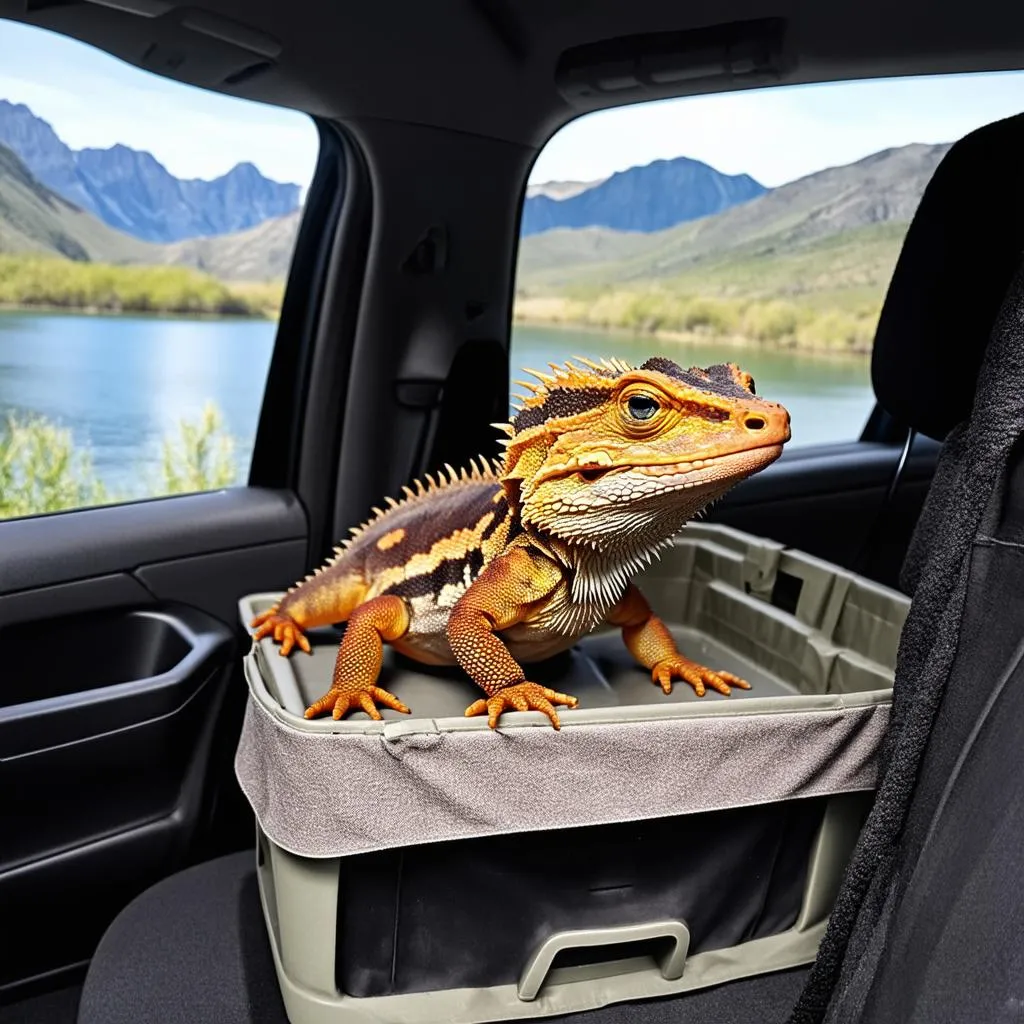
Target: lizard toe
521, 697
346, 697
698, 676
283, 629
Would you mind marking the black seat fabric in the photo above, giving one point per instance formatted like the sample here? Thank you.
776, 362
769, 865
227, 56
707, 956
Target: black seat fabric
954, 949
910, 908
940, 936
956, 264
193, 950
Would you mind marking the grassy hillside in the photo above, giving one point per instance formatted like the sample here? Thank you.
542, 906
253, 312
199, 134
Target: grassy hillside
30, 281
55, 255
262, 253
882, 189
821, 294
35, 219
825, 295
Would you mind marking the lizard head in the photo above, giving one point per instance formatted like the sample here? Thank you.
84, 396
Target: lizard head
609, 454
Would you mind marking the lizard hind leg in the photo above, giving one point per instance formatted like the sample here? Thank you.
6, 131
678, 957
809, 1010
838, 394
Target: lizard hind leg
354, 686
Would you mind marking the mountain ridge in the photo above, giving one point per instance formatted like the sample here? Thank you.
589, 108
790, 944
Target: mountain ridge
131, 191
849, 219
882, 188
35, 219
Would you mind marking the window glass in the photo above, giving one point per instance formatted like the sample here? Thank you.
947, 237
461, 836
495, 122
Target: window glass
759, 227
146, 230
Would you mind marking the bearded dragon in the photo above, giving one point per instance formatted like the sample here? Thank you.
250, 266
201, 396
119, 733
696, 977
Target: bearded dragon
513, 560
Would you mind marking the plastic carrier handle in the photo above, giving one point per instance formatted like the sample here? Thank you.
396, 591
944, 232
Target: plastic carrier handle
539, 965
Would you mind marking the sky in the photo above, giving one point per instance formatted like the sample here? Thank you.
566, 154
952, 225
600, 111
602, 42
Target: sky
94, 100
781, 134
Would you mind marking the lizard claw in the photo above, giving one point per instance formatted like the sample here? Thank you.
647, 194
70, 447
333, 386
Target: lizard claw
521, 697
352, 697
696, 675
283, 628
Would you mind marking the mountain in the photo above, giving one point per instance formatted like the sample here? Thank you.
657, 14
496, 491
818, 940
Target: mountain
133, 192
667, 191
33, 218
872, 199
42, 151
878, 193
650, 198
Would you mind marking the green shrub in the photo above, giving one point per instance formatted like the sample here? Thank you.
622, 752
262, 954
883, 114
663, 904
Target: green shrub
774, 321
716, 317
42, 471
661, 310
834, 324
201, 458
28, 281
837, 331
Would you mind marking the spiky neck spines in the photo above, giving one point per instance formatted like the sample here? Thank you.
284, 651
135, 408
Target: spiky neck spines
480, 469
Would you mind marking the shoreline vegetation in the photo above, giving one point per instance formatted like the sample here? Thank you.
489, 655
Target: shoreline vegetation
52, 284
45, 284
773, 324
42, 469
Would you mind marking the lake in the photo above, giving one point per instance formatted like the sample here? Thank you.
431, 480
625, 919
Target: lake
122, 383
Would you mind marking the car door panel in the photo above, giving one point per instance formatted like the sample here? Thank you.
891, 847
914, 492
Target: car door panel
221, 577
121, 692
93, 542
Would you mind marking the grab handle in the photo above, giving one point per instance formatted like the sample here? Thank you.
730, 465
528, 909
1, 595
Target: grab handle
539, 965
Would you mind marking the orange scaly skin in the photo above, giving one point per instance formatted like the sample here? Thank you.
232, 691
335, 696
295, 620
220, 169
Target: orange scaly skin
650, 642
510, 563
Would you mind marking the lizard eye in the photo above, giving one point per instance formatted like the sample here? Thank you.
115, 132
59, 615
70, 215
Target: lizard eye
642, 407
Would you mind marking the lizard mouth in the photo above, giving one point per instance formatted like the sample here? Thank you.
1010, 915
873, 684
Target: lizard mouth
715, 467
718, 467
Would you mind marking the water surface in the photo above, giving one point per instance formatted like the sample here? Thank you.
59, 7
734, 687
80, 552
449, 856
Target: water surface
829, 398
122, 383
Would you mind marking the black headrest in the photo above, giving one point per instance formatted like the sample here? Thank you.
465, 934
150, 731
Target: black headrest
959, 256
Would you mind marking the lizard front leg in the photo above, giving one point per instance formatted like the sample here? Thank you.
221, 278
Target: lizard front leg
354, 687
649, 641
503, 596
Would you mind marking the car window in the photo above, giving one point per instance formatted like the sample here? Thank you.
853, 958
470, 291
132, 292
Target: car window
759, 227
146, 230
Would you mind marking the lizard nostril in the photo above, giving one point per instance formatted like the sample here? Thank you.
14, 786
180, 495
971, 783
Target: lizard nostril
755, 423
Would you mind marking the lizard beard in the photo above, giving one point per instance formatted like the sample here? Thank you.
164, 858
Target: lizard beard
613, 546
